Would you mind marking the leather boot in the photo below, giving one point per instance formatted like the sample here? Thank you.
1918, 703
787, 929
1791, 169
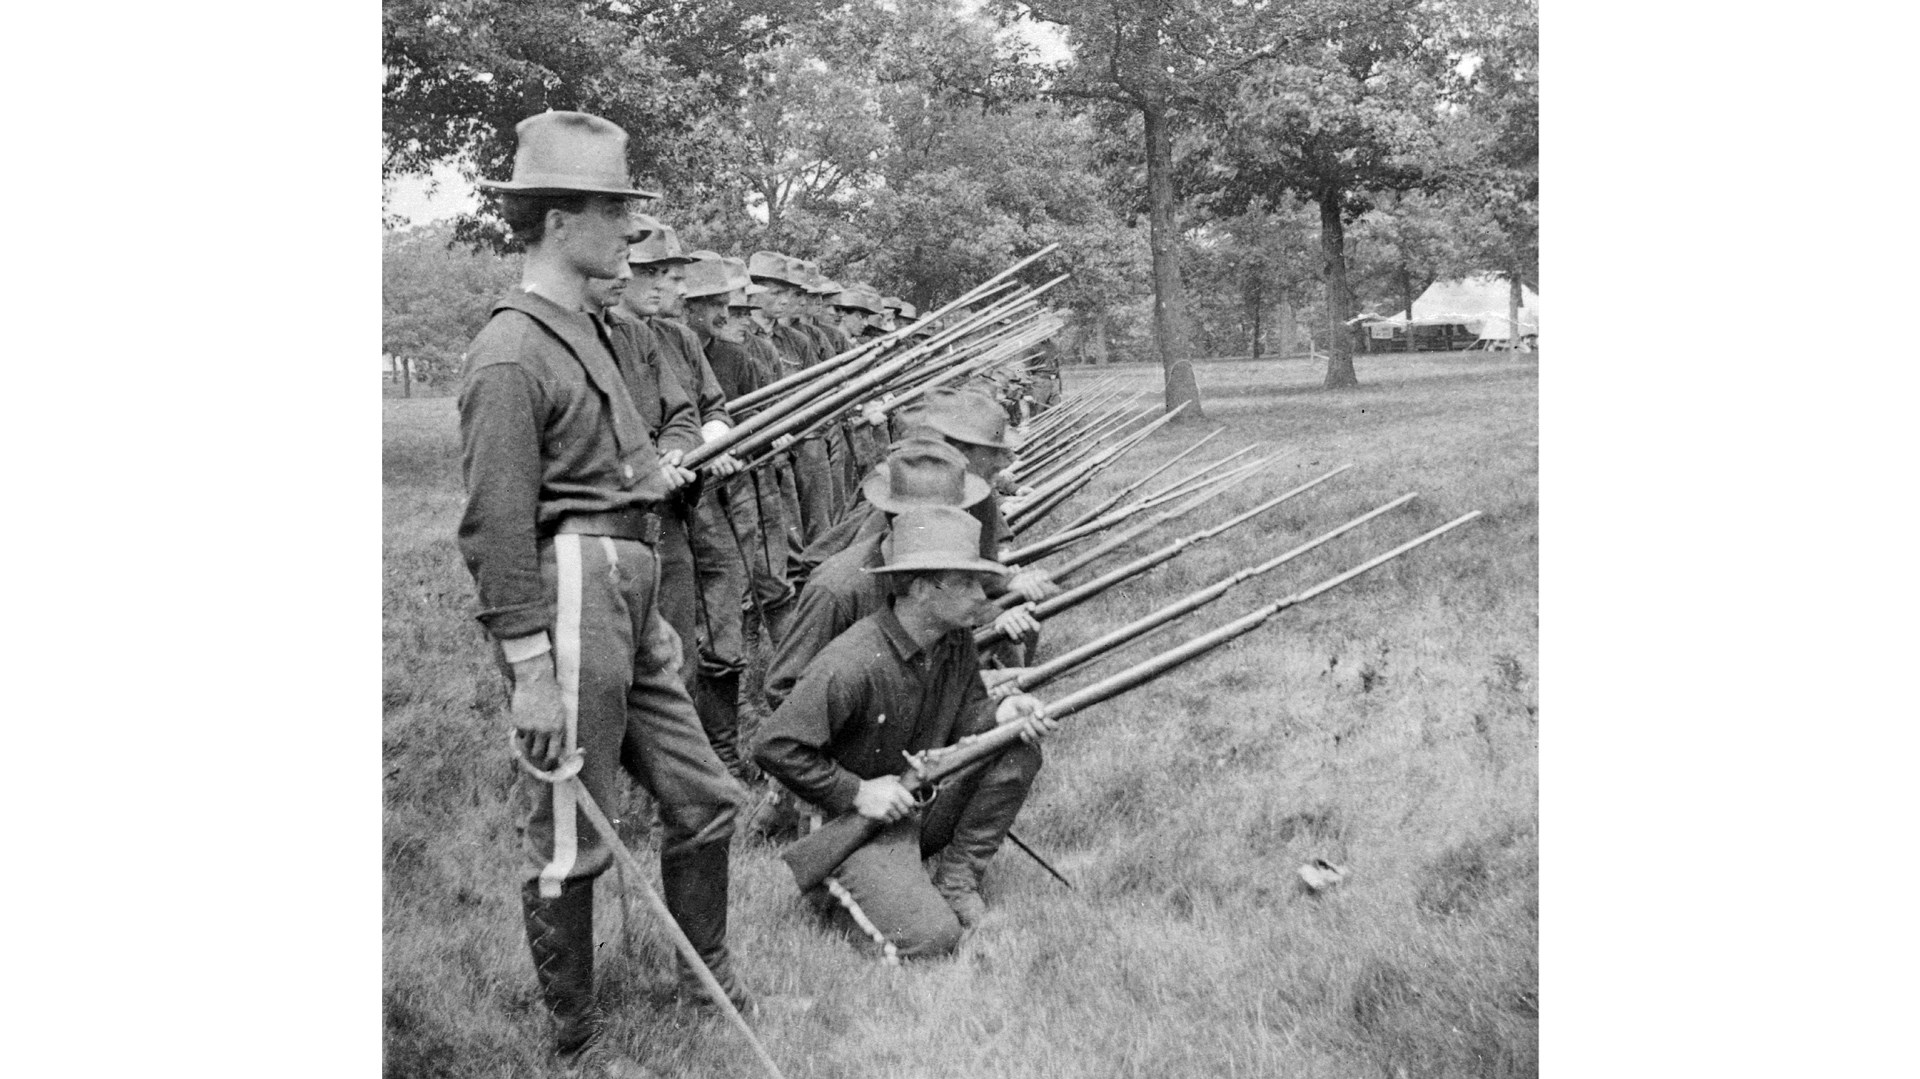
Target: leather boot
694, 886
716, 697
984, 817
560, 936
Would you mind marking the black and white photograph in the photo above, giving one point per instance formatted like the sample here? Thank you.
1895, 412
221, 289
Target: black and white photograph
943, 538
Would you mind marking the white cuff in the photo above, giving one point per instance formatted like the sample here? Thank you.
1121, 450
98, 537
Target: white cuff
521, 649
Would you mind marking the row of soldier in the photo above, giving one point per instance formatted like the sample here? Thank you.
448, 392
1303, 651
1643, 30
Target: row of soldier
620, 586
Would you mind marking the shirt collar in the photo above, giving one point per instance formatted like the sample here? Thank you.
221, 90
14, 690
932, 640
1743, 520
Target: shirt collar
896, 634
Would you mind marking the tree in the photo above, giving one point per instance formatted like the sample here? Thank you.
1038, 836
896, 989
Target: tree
1500, 93
460, 74
435, 295
1411, 239
1159, 59
1345, 111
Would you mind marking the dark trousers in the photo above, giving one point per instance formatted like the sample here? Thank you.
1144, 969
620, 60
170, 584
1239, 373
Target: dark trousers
883, 894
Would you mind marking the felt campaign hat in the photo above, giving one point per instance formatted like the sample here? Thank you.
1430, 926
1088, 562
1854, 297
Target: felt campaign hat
738, 267
935, 538
569, 153
773, 266
892, 303
859, 297
660, 247
641, 226
968, 416
714, 277
922, 472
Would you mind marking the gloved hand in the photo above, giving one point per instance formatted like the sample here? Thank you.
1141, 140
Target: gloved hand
535, 710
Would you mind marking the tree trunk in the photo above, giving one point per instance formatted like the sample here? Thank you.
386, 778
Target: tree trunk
1333, 241
406, 376
1283, 328
1406, 295
1257, 298
1169, 303
1513, 314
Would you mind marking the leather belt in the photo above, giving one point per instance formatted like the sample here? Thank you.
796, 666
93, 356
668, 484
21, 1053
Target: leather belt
629, 524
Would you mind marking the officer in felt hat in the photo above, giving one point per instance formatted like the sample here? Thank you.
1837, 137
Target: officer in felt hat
563, 484
902, 679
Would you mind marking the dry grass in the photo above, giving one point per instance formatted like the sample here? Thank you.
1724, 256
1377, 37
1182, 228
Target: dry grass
1390, 726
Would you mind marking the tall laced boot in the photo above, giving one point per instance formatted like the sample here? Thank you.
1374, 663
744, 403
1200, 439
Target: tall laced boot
694, 886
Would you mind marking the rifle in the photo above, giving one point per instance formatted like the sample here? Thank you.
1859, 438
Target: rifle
814, 858
1043, 673
1079, 594
1066, 537
1142, 481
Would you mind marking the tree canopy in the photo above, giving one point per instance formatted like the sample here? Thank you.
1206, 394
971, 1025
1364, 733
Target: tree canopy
1218, 173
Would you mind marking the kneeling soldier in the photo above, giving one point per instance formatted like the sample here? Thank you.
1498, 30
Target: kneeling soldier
906, 679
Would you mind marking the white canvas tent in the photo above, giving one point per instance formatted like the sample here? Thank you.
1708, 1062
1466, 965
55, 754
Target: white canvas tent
1478, 303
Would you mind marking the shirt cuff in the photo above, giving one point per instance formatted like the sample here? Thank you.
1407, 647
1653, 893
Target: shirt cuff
521, 649
713, 429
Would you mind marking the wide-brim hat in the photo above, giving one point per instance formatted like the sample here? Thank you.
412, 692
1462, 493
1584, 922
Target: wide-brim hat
921, 472
773, 266
932, 538
660, 247
969, 416
715, 276
859, 298
569, 153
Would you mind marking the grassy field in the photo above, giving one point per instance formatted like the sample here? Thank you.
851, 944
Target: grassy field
1389, 726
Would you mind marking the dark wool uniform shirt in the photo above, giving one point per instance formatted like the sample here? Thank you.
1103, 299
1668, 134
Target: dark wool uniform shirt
679, 350
548, 428
733, 367
838, 593
869, 697
766, 355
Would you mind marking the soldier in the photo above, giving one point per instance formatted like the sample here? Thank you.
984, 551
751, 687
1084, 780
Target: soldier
906, 679
975, 425
771, 367
702, 573
563, 487
786, 281
821, 324
842, 590
715, 288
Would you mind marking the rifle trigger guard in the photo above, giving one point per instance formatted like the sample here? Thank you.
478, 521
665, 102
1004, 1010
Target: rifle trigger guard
928, 791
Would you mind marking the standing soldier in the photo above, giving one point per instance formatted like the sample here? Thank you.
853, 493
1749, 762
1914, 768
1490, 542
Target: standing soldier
906, 679
715, 288
767, 360
563, 488
820, 323
786, 282
703, 574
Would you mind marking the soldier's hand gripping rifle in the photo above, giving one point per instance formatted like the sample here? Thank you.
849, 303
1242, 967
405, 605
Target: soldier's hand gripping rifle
815, 857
